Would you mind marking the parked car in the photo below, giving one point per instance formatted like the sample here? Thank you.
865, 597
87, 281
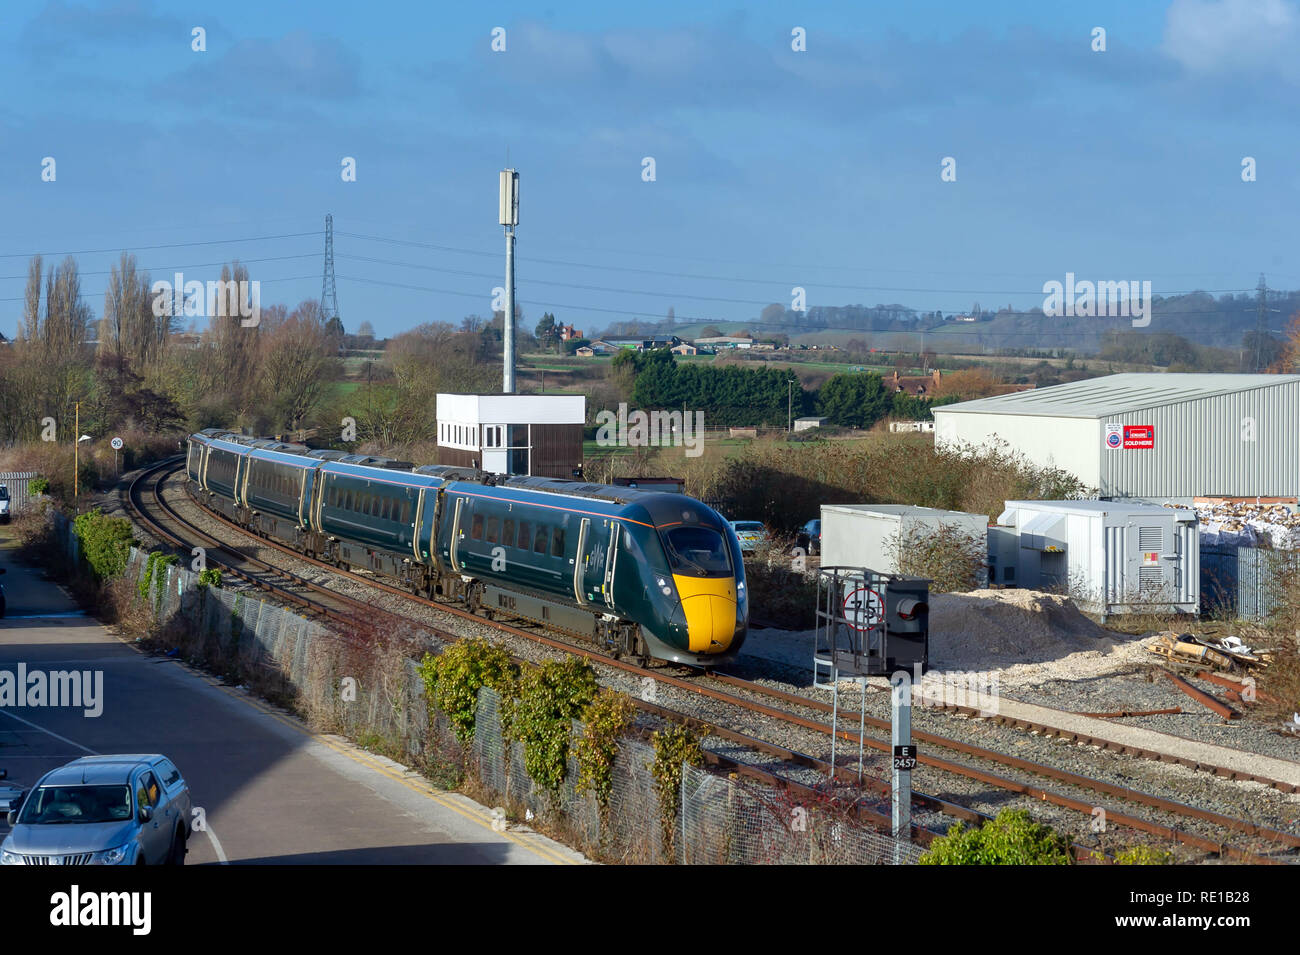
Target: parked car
9, 793
810, 536
4, 504
750, 534
103, 810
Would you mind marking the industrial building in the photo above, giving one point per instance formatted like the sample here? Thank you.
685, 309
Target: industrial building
1169, 438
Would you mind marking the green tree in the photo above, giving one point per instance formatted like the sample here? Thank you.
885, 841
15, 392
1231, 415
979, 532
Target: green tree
854, 400
546, 333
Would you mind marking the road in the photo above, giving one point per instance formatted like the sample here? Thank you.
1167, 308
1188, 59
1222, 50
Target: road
270, 791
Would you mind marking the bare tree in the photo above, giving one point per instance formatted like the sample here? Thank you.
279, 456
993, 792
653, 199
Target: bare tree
298, 364
30, 328
129, 331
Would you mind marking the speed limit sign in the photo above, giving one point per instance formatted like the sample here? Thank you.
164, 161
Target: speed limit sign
863, 608
116, 444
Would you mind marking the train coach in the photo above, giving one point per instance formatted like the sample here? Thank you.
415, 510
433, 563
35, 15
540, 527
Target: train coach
640, 573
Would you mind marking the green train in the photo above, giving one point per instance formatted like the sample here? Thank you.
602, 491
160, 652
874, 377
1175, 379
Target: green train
641, 574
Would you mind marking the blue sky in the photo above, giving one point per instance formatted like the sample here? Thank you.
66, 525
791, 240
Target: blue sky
774, 168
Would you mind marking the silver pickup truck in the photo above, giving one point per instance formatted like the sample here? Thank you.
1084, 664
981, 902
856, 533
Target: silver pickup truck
103, 810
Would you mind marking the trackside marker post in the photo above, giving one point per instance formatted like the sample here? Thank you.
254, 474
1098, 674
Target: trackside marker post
904, 753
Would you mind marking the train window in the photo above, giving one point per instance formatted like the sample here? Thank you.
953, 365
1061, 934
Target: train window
557, 542
525, 534
406, 512
539, 541
494, 530
699, 550
347, 500
374, 505
476, 528
508, 533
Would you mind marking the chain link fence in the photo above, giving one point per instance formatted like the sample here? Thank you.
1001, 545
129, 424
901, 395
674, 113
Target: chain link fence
722, 820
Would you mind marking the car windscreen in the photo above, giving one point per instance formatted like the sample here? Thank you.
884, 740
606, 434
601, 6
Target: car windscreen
4, 493
51, 805
748, 526
698, 551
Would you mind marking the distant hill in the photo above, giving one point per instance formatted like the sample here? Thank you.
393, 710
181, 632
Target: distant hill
1198, 317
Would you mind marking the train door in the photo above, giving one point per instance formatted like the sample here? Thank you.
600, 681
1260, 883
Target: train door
582, 563
456, 533
424, 534
305, 488
597, 560
243, 470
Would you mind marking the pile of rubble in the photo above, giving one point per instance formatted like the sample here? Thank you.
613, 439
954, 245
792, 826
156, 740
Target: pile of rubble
1208, 653
1240, 524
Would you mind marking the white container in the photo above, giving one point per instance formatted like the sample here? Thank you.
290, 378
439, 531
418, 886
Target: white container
861, 535
1110, 556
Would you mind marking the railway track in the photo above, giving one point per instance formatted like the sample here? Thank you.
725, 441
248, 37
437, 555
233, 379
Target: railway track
745, 697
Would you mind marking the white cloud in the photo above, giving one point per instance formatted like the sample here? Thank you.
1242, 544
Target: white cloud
1234, 36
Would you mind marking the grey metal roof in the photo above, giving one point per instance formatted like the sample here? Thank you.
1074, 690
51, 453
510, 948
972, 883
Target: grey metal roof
1116, 394
901, 510
1099, 507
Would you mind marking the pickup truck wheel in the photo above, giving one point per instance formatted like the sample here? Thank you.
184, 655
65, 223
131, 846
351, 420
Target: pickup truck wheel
177, 854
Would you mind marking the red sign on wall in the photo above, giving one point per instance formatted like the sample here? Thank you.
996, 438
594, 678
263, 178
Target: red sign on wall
1140, 436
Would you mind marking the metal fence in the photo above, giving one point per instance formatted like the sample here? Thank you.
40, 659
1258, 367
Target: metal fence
1244, 581
17, 481
722, 820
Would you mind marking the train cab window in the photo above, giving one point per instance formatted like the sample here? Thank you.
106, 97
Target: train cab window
539, 541
476, 528
700, 551
557, 542
525, 535
508, 533
493, 530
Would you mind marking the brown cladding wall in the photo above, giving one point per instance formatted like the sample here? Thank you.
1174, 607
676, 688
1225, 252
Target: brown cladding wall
457, 457
557, 450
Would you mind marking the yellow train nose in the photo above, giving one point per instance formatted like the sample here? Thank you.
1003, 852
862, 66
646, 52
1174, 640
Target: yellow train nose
709, 604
